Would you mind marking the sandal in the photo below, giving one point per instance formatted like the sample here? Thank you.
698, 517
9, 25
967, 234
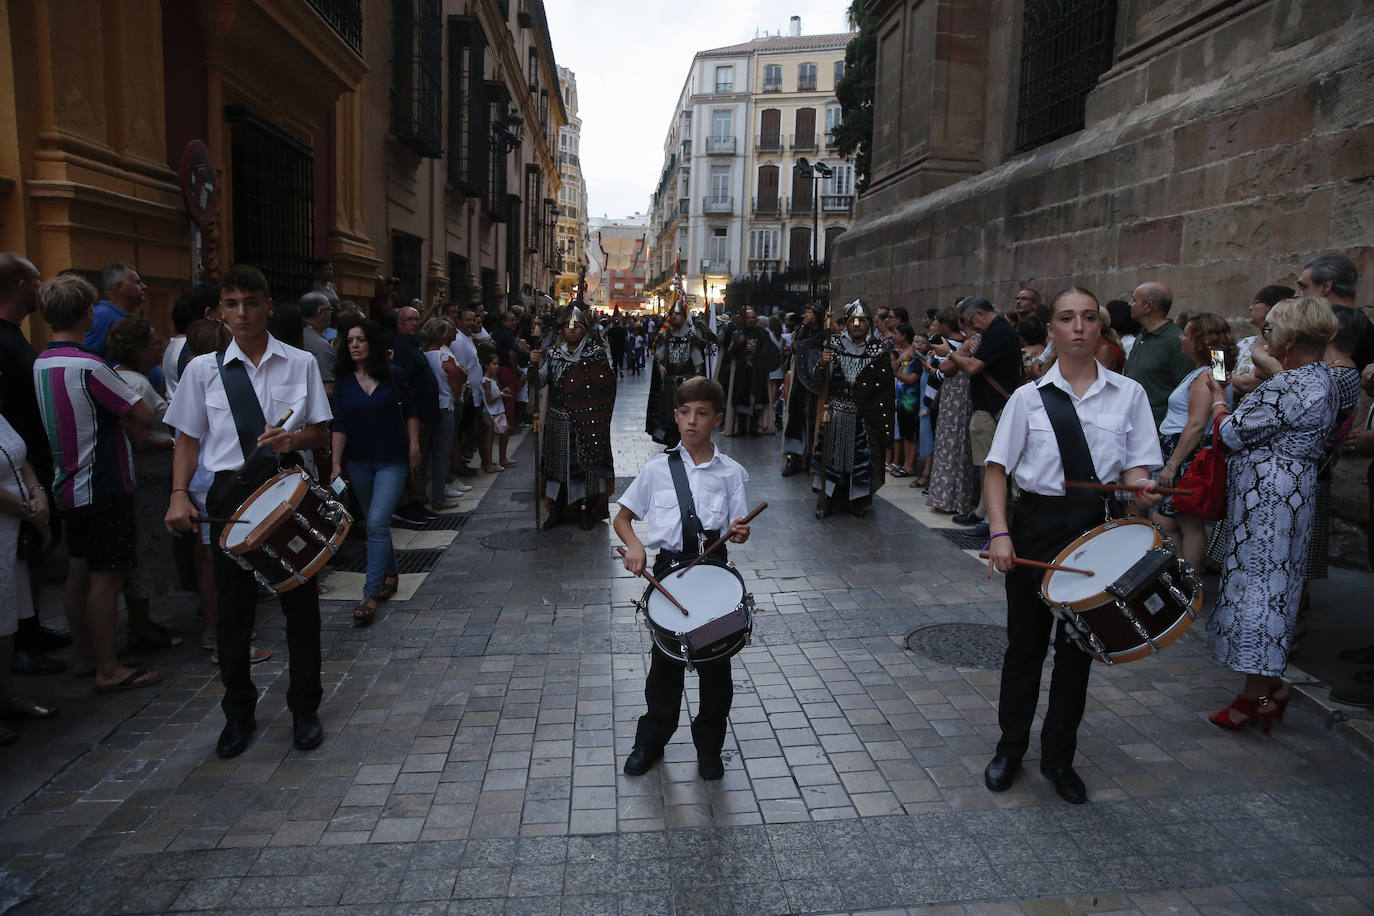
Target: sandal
389, 585
24, 708
364, 613
900, 472
132, 682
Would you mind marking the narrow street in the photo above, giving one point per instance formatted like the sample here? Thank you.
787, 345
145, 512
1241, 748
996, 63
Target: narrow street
475, 735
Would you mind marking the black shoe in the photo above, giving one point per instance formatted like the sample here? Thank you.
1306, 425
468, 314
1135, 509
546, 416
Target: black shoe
585, 520
1001, 772
234, 739
710, 766
967, 518
1067, 783
640, 759
412, 514
857, 510
980, 530
1363, 656
306, 732
32, 664
554, 520
792, 466
46, 639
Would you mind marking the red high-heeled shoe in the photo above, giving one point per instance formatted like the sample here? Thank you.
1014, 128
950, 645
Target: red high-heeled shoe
1251, 709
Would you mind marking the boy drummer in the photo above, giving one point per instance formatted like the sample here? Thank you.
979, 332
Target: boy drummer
717, 484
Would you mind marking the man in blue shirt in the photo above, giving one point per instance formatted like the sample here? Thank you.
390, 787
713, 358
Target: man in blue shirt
123, 293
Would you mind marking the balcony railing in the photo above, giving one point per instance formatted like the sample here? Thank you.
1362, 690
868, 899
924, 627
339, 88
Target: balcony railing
684, 207
832, 138
800, 204
803, 141
768, 142
714, 266
717, 205
686, 150
837, 203
806, 85
344, 17
720, 145
767, 205
772, 85
763, 265
725, 87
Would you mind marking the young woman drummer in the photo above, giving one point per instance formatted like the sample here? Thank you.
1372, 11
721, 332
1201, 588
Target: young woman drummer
1114, 414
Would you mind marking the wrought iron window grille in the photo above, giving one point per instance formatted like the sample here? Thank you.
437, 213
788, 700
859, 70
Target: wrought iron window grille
1065, 46
468, 146
345, 17
417, 62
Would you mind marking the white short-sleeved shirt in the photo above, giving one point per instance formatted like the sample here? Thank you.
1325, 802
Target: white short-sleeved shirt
285, 379
1116, 419
465, 351
718, 492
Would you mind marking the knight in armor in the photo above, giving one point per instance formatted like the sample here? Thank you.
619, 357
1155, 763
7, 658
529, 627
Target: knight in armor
854, 378
679, 355
578, 469
750, 355
799, 417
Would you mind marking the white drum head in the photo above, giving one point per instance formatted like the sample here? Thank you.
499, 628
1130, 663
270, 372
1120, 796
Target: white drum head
1108, 554
706, 591
255, 511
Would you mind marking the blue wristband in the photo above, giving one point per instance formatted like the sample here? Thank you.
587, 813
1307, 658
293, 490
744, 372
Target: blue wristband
1000, 534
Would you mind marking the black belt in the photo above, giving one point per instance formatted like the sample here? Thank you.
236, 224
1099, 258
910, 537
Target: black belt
676, 557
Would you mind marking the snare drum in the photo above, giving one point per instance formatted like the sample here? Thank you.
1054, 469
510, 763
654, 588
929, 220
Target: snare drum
1141, 595
286, 531
720, 618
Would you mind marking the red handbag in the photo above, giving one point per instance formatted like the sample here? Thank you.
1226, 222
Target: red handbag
1206, 478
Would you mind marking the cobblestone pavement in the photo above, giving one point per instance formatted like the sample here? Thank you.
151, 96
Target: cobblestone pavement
474, 737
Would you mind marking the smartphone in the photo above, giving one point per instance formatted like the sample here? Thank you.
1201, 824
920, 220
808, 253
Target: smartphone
338, 486
1219, 365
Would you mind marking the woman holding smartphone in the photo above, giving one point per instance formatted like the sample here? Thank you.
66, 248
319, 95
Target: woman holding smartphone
1187, 424
376, 432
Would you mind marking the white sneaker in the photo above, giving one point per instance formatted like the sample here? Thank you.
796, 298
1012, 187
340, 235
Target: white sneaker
455, 490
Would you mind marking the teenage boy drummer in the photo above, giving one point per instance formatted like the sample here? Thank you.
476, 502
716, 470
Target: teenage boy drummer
717, 485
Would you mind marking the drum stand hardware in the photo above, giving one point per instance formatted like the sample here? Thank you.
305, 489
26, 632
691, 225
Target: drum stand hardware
310, 529
1125, 611
1174, 592
291, 571
1081, 633
245, 565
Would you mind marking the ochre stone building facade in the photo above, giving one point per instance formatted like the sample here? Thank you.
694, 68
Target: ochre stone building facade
1219, 145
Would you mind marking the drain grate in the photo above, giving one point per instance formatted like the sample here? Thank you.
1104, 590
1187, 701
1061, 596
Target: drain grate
407, 561
445, 522
964, 539
525, 539
961, 645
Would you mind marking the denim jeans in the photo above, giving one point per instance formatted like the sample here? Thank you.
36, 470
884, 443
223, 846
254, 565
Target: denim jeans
378, 487
440, 447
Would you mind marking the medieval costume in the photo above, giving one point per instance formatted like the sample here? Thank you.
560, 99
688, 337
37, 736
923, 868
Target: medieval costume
799, 404
857, 392
749, 356
679, 354
577, 465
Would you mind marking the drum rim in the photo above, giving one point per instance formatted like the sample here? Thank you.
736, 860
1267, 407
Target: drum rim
272, 520
1100, 597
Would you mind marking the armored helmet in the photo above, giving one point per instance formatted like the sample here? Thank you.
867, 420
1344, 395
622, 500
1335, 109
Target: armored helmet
857, 311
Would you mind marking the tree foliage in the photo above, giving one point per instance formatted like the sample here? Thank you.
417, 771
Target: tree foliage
855, 91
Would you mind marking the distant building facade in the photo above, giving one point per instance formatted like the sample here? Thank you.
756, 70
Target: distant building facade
571, 237
624, 246
733, 197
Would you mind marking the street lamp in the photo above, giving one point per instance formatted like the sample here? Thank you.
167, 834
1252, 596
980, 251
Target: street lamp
815, 171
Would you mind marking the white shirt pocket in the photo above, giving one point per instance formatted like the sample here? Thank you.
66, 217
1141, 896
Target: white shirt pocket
284, 398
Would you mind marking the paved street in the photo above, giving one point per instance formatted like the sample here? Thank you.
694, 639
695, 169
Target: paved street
474, 737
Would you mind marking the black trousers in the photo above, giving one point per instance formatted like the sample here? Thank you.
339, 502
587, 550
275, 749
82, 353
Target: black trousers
1042, 526
238, 604
663, 693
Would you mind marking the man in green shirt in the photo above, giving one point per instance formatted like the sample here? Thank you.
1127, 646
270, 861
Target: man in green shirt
1157, 360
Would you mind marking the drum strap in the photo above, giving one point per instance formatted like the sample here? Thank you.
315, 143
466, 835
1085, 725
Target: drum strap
1073, 445
693, 535
243, 404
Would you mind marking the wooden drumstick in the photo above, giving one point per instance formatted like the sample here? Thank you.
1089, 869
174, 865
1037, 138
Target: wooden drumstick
1019, 561
284, 417
660, 589
721, 540
1125, 488
205, 520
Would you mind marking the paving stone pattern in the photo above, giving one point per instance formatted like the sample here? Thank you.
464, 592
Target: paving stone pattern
474, 737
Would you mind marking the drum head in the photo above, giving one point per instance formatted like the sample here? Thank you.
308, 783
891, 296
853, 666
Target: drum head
276, 493
707, 591
1108, 550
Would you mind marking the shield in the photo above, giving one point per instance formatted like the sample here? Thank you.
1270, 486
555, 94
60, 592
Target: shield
808, 359
588, 392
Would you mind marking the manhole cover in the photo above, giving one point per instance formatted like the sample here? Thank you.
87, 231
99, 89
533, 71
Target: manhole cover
445, 522
525, 539
407, 561
962, 645
965, 539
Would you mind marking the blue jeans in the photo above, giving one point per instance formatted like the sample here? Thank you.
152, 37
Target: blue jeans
440, 447
378, 487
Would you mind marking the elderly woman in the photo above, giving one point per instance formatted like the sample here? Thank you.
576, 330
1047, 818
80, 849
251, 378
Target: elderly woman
1187, 425
1246, 379
1277, 439
953, 478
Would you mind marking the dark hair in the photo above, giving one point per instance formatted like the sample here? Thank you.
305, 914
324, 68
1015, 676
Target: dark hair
320, 262
486, 352
1032, 330
931, 313
1119, 312
1352, 327
14, 270
377, 364
1336, 269
245, 278
1274, 293
949, 318
207, 336
1035, 296
287, 325
901, 313
906, 330
311, 303
126, 340
65, 299
700, 388
1211, 332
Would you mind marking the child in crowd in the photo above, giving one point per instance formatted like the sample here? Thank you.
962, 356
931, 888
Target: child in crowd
495, 425
717, 484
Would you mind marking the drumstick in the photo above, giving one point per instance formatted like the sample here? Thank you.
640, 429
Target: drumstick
206, 520
284, 417
660, 589
1125, 488
1019, 561
721, 540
